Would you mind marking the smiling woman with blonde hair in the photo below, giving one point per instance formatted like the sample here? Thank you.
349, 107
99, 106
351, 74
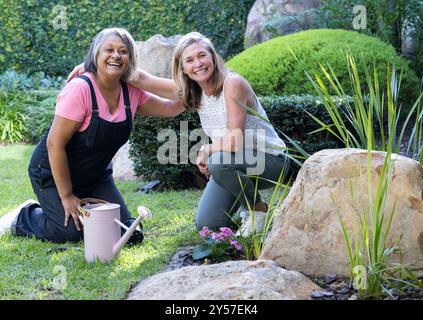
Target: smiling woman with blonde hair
218, 95
190, 92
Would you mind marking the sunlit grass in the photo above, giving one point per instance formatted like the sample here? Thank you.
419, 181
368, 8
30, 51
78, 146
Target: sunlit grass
28, 267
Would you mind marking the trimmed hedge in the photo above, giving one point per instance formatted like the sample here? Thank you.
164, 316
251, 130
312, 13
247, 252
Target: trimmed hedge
30, 43
286, 114
279, 73
144, 148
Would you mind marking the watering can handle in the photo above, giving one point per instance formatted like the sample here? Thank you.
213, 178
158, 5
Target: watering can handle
85, 201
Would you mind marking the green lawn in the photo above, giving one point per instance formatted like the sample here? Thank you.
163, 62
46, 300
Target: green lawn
30, 271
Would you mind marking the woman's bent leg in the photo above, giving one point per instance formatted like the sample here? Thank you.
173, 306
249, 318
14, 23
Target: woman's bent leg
107, 190
231, 172
215, 208
46, 220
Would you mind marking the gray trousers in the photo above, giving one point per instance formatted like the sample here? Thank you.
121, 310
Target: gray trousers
233, 183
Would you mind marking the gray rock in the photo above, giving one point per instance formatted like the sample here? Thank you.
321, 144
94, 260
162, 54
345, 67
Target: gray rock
232, 280
155, 54
123, 166
317, 295
266, 10
343, 291
330, 278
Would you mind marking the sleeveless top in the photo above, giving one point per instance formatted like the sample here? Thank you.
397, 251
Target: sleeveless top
258, 134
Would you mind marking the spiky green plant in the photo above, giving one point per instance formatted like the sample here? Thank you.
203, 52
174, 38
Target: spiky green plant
367, 108
368, 251
12, 119
253, 243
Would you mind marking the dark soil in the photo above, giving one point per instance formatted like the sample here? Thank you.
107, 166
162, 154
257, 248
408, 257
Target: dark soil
340, 289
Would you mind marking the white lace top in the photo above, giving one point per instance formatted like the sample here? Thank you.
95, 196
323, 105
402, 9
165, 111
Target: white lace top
258, 134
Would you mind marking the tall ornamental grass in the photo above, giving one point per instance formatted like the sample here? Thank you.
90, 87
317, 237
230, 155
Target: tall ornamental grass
368, 109
371, 111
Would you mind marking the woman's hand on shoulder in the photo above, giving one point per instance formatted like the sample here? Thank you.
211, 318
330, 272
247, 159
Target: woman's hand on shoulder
79, 69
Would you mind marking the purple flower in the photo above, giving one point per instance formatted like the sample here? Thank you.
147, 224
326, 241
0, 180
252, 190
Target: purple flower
236, 245
204, 232
218, 236
226, 232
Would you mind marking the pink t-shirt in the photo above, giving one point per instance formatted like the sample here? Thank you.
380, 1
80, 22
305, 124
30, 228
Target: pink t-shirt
74, 102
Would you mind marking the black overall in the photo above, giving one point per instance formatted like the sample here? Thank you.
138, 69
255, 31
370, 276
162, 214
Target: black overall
89, 155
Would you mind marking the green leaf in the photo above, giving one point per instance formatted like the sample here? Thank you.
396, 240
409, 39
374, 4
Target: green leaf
201, 251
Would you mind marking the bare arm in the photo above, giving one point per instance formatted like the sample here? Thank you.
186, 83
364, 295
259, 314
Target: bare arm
160, 86
160, 107
143, 80
60, 133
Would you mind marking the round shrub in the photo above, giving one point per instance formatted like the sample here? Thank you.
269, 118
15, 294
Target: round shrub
271, 68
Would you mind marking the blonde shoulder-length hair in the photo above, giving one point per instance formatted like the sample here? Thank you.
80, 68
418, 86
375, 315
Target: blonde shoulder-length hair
188, 90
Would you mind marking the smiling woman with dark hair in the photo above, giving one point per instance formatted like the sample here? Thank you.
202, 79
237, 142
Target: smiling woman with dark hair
93, 119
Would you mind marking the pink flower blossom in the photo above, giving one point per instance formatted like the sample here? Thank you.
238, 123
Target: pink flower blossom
204, 232
236, 245
218, 236
226, 232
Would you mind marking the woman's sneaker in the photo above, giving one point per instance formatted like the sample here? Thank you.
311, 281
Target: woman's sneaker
8, 221
247, 226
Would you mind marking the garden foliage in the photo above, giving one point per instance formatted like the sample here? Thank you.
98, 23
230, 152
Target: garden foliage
25, 115
31, 43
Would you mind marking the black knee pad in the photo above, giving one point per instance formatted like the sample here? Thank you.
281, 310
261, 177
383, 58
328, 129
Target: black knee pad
137, 237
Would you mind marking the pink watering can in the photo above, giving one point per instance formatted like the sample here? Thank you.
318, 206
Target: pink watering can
102, 228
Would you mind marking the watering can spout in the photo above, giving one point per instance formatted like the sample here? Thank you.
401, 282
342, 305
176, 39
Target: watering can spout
143, 212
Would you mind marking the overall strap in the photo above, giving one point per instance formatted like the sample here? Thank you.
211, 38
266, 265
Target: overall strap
127, 103
93, 126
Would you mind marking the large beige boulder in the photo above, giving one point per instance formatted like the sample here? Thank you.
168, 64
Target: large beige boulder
123, 166
155, 54
306, 234
266, 10
233, 280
